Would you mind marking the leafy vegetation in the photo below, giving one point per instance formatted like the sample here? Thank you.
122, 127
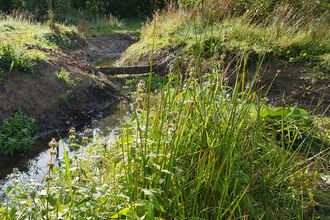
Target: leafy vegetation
17, 134
131, 84
197, 146
71, 10
65, 77
18, 58
199, 149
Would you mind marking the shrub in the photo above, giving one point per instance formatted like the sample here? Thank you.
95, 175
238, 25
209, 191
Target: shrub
16, 133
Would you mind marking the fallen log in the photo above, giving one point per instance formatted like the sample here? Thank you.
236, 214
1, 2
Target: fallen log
110, 70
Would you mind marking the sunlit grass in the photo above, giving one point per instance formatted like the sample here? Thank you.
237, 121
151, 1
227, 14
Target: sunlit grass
198, 150
288, 32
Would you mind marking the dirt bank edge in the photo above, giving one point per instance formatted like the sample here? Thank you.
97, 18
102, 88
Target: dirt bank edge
54, 104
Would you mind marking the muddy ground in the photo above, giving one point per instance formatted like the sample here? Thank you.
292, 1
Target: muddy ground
56, 105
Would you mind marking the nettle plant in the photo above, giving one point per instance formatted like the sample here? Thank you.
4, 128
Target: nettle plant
16, 133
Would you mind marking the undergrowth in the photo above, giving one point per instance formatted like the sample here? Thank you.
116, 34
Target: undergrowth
19, 37
16, 134
198, 150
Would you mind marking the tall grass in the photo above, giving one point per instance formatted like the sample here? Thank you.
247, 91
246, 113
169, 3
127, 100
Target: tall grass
108, 22
198, 150
295, 34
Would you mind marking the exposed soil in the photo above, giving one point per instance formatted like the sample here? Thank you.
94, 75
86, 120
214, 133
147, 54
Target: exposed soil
50, 101
296, 84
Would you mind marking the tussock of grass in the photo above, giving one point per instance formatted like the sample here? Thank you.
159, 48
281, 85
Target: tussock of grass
295, 35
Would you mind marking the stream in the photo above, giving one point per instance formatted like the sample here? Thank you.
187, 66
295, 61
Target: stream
33, 164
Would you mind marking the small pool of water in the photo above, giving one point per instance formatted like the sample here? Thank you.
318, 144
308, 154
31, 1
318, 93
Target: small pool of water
108, 60
33, 165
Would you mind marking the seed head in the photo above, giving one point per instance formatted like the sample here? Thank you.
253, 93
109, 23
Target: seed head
53, 152
72, 130
48, 177
105, 142
87, 131
15, 170
51, 164
53, 143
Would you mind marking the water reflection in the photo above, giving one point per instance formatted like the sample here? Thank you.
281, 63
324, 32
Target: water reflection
33, 165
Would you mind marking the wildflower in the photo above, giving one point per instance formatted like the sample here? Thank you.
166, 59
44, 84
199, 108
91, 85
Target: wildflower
141, 83
72, 130
72, 137
85, 139
140, 91
15, 170
53, 143
139, 99
51, 164
87, 131
105, 142
48, 177
53, 152
73, 145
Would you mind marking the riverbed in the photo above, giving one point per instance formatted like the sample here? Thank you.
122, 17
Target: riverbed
33, 164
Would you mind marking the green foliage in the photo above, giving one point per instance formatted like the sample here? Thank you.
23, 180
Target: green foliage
16, 58
198, 150
296, 125
65, 77
16, 134
157, 82
64, 97
66, 40
63, 9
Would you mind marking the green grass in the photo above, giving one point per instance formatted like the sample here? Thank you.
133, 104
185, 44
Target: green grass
292, 35
198, 150
18, 34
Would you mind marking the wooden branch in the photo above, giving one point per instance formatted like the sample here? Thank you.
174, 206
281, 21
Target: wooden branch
109, 70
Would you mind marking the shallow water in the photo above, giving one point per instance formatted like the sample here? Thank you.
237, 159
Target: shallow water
108, 60
33, 165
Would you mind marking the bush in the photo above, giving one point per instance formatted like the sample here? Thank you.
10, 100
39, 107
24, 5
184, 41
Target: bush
16, 134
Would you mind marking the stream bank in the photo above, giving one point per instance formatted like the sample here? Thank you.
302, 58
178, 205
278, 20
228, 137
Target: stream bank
56, 104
